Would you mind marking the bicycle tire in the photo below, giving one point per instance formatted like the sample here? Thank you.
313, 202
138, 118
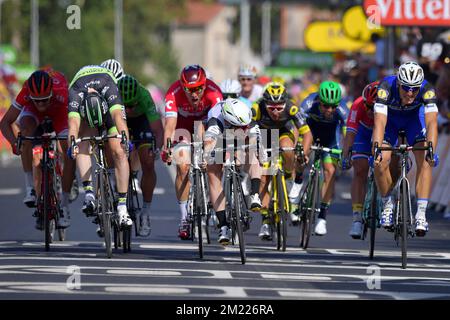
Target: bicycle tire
106, 214
198, 204
126, 238
404, 223
116, 237
237, 218
373, 220
45, 207
282, 211
312, 200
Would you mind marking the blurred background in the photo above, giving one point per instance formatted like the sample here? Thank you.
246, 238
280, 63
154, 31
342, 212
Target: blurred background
297, 42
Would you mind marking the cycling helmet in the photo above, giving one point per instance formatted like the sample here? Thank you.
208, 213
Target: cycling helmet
236, 112
247, 71
93, 109
410, 74
193, 76
330, 93
128, 88
40, 85
369, 93
275, 93
231, 87
114, 66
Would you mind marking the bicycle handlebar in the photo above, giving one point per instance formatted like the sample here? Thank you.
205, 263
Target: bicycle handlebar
326, 149
45, 137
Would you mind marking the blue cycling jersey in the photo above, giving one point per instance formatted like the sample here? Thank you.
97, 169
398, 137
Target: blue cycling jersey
327, 130
388, 98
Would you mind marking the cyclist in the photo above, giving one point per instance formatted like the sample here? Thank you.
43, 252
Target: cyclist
143, 122
405, 101
275, 112
358, 138
228, 114
11, 123
42, 103
325, 116
94, 98
247, 78
188, 100
232, 89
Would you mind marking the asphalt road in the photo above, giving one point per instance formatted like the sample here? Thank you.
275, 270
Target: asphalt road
163, 267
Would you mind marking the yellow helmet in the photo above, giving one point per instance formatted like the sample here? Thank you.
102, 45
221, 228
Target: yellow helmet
275, 92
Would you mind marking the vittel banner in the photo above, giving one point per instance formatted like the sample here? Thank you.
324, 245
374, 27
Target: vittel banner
408, 12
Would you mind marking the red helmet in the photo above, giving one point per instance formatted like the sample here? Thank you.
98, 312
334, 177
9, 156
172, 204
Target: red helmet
40, 85
369, 93
193, 76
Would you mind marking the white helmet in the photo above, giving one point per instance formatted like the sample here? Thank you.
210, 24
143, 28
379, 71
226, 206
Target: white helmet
247, 71
410, 74
236, 112
114, 66
230, 86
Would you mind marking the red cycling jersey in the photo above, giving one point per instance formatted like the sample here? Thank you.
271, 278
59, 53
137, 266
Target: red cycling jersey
359, 115
58, 109
59, 91
178, 106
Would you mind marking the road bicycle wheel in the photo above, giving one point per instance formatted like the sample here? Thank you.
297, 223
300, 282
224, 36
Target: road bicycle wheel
373, 219
106, 213
309, 210
282, 214
126, 238
46, 205
237, 219
198, 207
404, 205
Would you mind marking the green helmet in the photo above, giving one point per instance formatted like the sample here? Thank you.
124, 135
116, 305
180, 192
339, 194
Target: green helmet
330, 92
128, 88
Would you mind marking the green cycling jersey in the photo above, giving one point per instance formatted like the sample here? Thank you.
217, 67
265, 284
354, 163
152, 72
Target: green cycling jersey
142, 104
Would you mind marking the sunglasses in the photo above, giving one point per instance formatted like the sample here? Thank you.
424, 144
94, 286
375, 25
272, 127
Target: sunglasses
275, 108
230, 95
246, 79
408, 88
197, 90
41, 101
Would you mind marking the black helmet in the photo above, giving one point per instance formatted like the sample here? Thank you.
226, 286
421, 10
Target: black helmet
94, 109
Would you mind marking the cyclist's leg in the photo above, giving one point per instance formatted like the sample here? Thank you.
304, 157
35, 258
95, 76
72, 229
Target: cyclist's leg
28, 125
68, 175
424, 170
264, 232
84, 165
148, 182
362, 150
217, 198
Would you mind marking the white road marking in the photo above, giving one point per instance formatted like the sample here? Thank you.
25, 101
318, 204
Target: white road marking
10, 191
143, 272
284, 276
303, 294
148, 290
159, 191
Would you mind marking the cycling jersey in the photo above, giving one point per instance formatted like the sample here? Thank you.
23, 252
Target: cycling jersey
410, 118
98, 78
142, 105
388, 98
178, 106
327, 130
359, 116
360, 122
59, 90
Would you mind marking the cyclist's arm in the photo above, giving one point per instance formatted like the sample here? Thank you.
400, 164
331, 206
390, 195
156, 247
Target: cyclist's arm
119, 120
379, 125
431, 124
74, 125
348, 142
307, 141
7, 122
157, 129
169, 129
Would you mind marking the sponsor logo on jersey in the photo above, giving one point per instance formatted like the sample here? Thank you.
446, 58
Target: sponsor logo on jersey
293, 111
429, 95
382, 94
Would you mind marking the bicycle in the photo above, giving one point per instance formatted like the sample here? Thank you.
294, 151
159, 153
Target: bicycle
311, 196
371, 211
106, 215
236, 208
48, 208
279, 205
403, 219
